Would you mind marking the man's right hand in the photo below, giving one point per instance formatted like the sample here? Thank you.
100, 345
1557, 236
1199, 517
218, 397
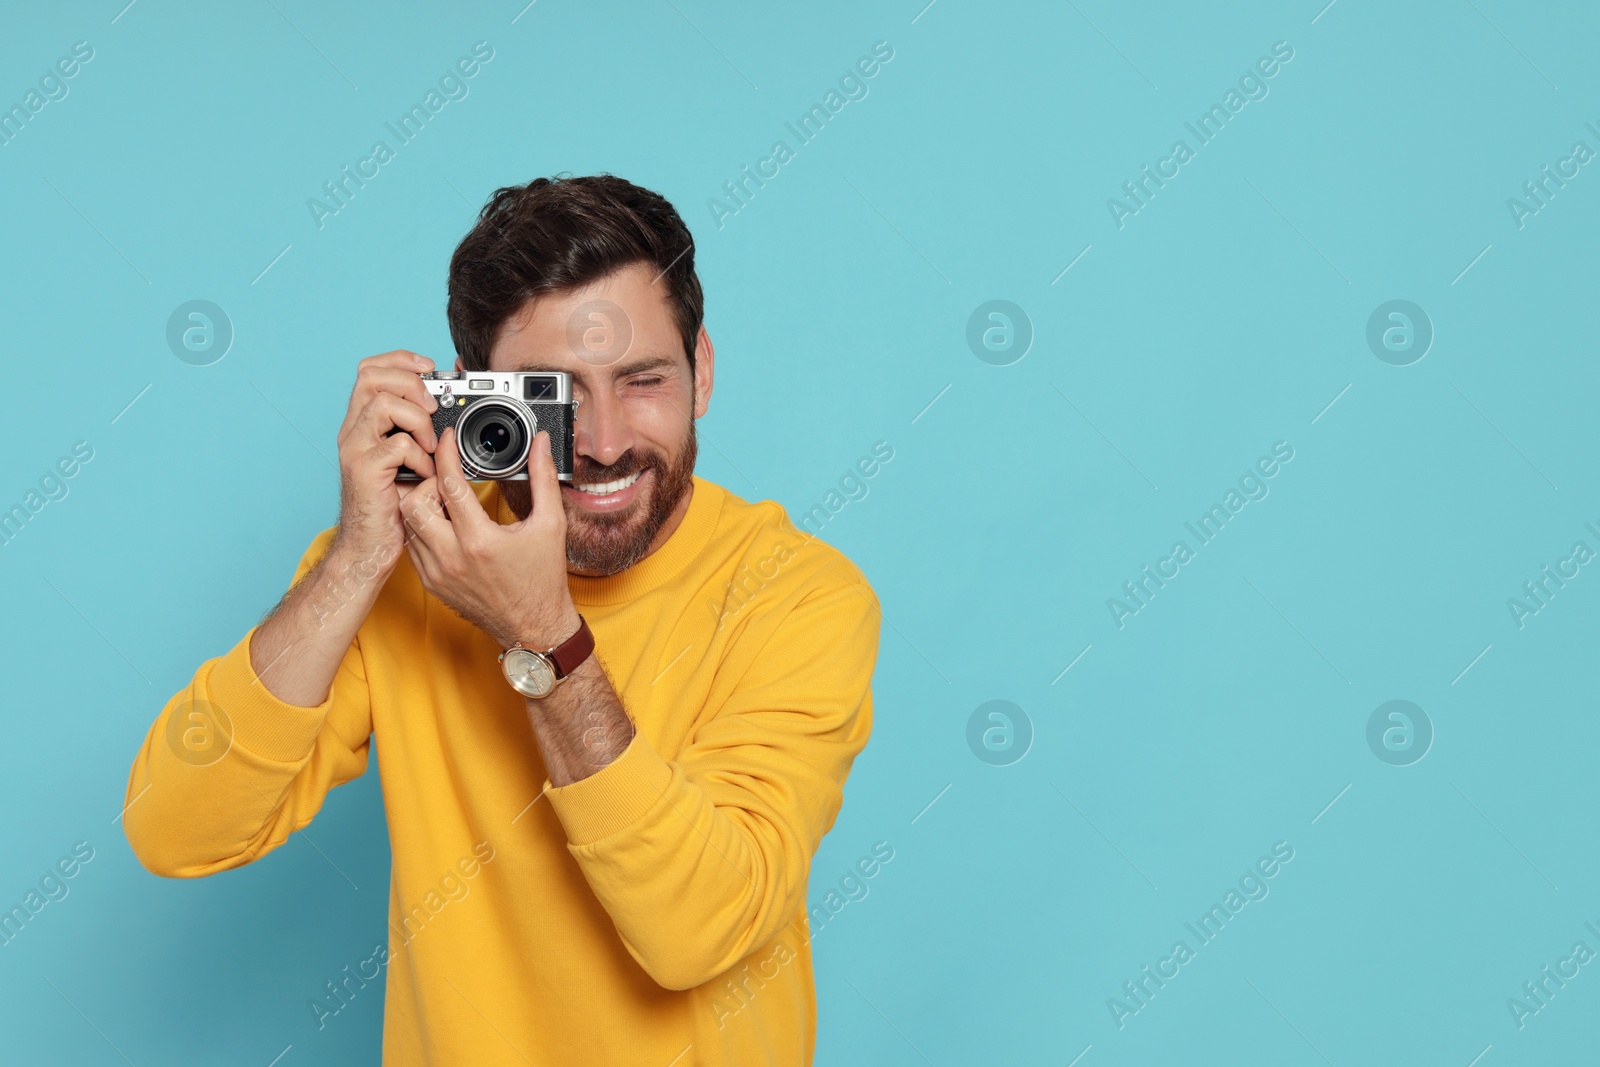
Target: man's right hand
388, 395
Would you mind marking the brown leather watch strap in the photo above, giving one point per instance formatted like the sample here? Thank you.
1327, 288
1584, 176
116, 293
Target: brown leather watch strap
570, 654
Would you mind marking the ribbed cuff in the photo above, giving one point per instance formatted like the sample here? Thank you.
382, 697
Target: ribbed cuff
614, 797
262, 724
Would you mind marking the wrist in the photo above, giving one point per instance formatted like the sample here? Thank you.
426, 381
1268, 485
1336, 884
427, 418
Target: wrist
544, 632
362, 563
350, 574
354, 551
535, 669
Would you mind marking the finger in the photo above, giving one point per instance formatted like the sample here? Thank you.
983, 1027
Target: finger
459, 499
543, 484
432, 557
401, 449
423, 564
434, 576
374, 378
432, 528
400, 357
420, 509
385, 412
402, 383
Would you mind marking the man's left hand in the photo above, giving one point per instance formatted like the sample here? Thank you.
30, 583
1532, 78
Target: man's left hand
509, 581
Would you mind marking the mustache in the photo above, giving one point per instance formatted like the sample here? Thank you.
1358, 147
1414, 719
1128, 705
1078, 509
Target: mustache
626, 464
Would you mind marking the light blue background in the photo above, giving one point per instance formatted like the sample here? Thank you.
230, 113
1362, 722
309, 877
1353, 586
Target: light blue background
1222, 318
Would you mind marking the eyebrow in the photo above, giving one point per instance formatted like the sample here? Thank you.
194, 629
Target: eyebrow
644, 363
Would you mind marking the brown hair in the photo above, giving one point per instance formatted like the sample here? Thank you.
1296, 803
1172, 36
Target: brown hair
562, 233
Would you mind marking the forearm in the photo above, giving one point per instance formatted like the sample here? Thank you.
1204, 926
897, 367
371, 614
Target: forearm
297, 651
581, 727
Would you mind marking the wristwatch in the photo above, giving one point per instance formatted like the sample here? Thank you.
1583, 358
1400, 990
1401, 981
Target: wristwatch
534, 674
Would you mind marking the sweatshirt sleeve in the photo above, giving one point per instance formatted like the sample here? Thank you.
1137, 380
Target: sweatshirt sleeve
703, 859
228, 771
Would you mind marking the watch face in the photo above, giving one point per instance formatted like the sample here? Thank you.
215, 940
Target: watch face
529, 673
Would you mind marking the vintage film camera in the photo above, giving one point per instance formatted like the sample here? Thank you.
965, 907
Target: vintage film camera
496, 414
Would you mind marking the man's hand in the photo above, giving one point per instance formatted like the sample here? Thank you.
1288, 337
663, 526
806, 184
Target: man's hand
387, 395
509, 581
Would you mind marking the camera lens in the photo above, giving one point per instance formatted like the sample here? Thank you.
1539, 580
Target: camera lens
494, 436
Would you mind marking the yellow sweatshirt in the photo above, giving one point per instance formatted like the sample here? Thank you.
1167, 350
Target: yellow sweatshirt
652, 913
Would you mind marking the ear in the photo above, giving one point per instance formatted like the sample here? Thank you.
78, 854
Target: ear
705, 358
460, 367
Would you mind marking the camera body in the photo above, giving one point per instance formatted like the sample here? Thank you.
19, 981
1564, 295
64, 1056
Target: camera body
496, 414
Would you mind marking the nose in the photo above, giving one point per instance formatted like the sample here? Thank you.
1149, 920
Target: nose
602, 431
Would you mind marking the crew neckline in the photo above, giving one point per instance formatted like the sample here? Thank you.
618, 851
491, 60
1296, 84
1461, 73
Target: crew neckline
685, 543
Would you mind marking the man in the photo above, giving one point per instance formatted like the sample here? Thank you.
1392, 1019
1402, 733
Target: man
614, 872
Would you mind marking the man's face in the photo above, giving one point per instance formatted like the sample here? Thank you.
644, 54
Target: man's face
634, 449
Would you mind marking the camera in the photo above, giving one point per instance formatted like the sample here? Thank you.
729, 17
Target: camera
496, 414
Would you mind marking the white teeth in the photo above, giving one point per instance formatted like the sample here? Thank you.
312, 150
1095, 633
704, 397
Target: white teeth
607, 488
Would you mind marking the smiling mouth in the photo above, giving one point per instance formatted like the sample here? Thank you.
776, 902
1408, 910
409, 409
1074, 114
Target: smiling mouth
607, 488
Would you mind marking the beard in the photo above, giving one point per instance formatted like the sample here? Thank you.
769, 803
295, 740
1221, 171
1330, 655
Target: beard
609, 542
